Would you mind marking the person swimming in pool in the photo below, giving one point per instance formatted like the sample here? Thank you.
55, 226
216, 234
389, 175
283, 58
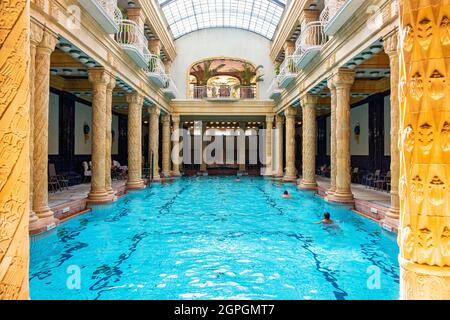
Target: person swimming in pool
286, 195
326, 219
238, 179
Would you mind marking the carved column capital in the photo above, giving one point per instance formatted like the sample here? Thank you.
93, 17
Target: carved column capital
344, 78
112, 83
309, 100
49, 41
279, 119
154, 111
135, 98
269, 119
165, 119
36, 33
176, 118
290, 112
98, 76
391, 43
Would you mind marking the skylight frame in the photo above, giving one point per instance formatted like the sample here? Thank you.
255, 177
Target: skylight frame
258, 16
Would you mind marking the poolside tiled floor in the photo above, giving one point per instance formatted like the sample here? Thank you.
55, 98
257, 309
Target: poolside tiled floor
362, 193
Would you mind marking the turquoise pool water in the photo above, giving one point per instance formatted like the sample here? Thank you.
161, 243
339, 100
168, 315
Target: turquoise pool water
214, 238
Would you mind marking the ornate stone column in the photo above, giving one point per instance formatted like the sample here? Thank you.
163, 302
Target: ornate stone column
135, 103
291, 171
343, 81
100, 79
176, 146
391, 43
279, 169
14, 149
309, 142
165, 119
333, 142
108, 134
424, 232
203, 166
153, 135
41, 100
36, 35
269, 128
242, 141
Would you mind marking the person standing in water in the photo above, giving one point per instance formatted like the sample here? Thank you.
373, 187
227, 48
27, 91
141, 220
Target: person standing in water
326, 219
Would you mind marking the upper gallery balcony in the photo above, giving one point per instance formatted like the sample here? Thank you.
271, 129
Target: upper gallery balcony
337, 12
105, 12
171, 90
288, 72
133, 41
156, 72
274, 90
224, 92
309, 44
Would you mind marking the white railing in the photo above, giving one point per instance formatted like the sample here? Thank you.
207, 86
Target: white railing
130, 35
156, 67
110, 7
274, 86
224, 92
330, 9
170, 90
287, 69
312, 37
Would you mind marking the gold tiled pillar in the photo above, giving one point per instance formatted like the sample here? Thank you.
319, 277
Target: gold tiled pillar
309, 143
165, 119
203, 165
36, 35
392, 49
269, 128
100, 79
41, 100
343, 81
14, 149
135, 104
176, 146
333, 101
291, 171
108, 134
279, 147
153, 136
424, 231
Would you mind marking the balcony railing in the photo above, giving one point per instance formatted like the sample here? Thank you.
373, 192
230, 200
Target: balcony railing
133, 41
105, 12
224, 92
309, 44
171, 91
156, 72
274, 90
337, 12
288, 72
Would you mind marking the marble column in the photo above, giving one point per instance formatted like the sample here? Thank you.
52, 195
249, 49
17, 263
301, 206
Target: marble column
291, 171
242, 141
279, 147
165, 119
108, 134
391, 43
14, 150
176, 158
41, 101
333, 102
424, 231
135, 104
153, 136
36, 35
309, 143
343, 81
269, 129
203, 166
100, 79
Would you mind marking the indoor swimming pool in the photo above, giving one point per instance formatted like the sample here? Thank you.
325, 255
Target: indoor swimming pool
215, 238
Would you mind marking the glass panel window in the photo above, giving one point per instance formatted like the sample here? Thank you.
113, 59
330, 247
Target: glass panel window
260, 16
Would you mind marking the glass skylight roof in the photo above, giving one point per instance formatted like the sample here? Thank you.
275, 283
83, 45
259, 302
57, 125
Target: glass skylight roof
260, 16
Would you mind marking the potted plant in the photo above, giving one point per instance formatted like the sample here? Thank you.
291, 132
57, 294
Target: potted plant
204, 72
249, 77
